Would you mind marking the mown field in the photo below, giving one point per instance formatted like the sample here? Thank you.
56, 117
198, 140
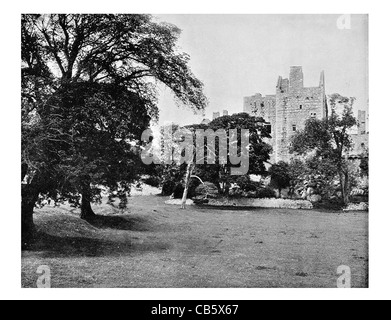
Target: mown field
155, 245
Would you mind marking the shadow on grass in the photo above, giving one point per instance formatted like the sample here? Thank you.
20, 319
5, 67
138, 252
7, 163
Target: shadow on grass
327, 206
98, 237
54, 246
75, 246
125, 223
229, 208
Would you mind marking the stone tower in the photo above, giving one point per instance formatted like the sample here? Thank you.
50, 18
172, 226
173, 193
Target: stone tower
362, 122
289, 109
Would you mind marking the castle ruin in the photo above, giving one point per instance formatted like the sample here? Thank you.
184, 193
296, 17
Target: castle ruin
288, 110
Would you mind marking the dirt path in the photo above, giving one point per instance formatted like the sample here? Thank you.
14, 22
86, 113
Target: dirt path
156, 245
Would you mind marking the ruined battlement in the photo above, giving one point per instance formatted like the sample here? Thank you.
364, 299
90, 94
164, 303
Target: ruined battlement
289, 109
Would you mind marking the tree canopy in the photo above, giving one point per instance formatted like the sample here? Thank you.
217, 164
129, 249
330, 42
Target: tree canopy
280, 176
328, 141
89, 89
220, 173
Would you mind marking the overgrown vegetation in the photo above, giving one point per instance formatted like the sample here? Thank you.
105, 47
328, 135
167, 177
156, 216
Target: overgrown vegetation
326, 143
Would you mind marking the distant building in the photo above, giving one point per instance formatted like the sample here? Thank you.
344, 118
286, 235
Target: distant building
361, 138
218, 114
205, 121
288, 110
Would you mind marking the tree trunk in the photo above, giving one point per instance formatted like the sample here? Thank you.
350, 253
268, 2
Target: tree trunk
291, 192
218, 186
29, 199
226, 189
189, 172
346, 191
344, 180
86, 211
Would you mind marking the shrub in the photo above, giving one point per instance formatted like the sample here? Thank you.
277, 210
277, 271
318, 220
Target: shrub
266, 193
168, 188
207, 189
178, 191
246, 184
153, 181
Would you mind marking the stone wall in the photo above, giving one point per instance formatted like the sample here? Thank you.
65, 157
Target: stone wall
262, 203
362, 122
360, 144
264, 107
288, 110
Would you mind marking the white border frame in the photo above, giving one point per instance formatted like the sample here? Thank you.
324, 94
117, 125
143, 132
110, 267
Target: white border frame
380, 215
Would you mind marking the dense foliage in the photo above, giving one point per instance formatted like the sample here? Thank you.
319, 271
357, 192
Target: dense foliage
280, 176
326, 143
89, 88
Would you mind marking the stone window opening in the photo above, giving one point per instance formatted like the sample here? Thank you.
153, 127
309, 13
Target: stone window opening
294, 128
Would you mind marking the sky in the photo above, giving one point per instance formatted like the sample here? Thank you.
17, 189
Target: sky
240, 55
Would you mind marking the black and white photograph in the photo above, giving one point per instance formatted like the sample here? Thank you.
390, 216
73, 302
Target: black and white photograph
125, 144
194, 151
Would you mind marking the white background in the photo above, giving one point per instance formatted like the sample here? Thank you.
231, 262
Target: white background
380, 213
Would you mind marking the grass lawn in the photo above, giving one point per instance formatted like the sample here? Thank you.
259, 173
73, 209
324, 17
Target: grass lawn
155, 245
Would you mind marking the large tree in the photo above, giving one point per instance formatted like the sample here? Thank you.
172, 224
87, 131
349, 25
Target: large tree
220, 172
89, 87
326, 142
280, 176
259, 149
203, 142
104, 123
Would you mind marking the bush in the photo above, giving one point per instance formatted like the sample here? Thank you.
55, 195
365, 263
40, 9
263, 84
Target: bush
178, 191
168, 188
207, 189
259, 193
247, 185
194, 183
264, 193
153, 181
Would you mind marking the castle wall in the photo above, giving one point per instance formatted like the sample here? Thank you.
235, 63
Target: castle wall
362, 122
264, 107
360, 144
288, 110
295, 104
296, 79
